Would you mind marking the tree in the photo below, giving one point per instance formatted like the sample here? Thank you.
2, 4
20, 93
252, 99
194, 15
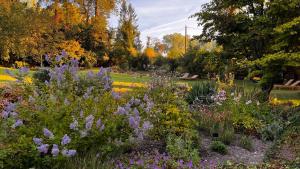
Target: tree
21, 31
175, 44
263, 32
128, 34
240, 26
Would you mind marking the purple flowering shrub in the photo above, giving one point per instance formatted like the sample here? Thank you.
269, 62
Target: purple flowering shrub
66, 116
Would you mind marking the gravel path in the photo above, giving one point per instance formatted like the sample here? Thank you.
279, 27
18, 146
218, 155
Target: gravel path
235, 153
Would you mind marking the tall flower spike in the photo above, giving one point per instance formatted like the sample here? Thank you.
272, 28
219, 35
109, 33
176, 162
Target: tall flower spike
43, 148
55, 150
48, 133
18, 123
74, 125
37, 141
65, 140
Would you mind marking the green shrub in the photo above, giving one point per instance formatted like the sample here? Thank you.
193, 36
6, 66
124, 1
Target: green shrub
218, 147
182, 149
170, 114
201, 92
41, 75
68, 115
271, 131
246, 143
227, 136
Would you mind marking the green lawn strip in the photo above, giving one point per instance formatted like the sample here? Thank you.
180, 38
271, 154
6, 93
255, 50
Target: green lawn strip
286, 94
139, 78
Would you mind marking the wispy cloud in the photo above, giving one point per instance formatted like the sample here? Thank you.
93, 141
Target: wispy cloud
160, 17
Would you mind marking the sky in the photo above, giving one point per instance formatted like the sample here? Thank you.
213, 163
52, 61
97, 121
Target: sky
157, 18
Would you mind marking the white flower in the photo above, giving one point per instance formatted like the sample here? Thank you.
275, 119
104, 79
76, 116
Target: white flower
248, 102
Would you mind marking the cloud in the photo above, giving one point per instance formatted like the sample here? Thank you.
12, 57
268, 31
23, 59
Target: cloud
161, 17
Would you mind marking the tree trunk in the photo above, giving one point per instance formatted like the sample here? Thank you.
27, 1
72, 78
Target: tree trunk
56, 15
96, 8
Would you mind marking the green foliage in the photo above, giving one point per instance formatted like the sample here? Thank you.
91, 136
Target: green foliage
170, 114
246, 143
64, 101
218, 147
227, 136
271, 131
41, 76
182, 149
175, 45
263, 32
160, 61
201, 92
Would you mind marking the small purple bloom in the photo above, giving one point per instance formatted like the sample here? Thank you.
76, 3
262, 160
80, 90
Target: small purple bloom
17, 124
99, 125
72, 153
55, 150
69, 153
23, 70
190, 164
48, 133
10, 107
65, 140
81, 113
47, 58
74, 125
5, 114
140, 162
147, 125
37, 141
131, 162
14, 114
58, 58
134, 121
101, 72
90, 75
115, 95
121, 111
8, 72
63, 53
89, 122
43, 148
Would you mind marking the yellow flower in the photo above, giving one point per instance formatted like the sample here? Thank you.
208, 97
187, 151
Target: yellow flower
27, 80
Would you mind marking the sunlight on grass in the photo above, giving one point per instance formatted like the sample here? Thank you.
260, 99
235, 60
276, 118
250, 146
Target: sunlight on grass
7, 78
122, 90
128, 84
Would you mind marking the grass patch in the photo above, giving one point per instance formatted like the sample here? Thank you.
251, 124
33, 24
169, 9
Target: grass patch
140, 78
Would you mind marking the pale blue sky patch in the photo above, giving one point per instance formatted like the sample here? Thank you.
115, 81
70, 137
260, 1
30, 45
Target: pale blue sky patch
157, 18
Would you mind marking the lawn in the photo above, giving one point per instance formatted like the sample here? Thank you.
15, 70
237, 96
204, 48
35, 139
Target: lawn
137, 79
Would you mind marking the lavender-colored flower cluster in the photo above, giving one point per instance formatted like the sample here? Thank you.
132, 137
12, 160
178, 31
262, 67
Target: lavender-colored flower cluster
74, 125
10, 111
65, 140
17, 124
48, 133
155, 160
132, 112
220, 97
89, 122
69, 153
45, 148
